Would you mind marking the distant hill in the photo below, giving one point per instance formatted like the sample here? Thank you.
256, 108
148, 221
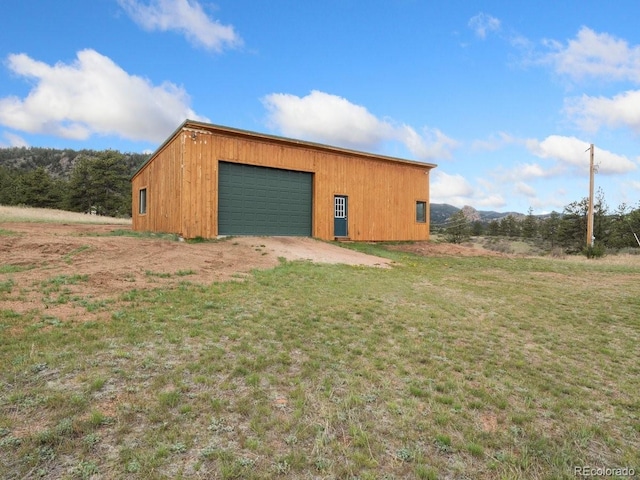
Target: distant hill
488, 215
441, 212
58, 163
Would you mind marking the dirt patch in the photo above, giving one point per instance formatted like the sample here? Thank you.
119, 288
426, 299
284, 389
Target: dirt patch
430, 249
304, 248
48, 265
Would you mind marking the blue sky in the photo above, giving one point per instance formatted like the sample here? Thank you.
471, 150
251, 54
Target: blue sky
504, 96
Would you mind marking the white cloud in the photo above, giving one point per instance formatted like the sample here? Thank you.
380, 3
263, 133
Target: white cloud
494, 142
572, 151
532, 170
432, 144
452, 189
93, 95
525, 189
552, 201
591, 113
326, 118
491, 200
444, 185
633, 188
483, 23
13, 140
331, 119
184, 16
597, 55
628, 192
528, 171
456, 190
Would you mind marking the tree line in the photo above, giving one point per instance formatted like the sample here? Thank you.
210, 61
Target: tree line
614, 230
96, 182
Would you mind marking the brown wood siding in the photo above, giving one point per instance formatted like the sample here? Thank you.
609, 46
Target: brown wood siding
382, 198
161, 178
382, 193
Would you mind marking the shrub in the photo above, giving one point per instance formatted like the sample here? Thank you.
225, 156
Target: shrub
597, 250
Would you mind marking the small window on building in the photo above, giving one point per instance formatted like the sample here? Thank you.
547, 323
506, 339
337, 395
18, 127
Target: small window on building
421, 212
142, 204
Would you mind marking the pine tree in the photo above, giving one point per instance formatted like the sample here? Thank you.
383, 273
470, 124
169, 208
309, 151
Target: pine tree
36, 188
549, 228
509, 226
458, 229
8, 187
530, 225
100, 184
80, 195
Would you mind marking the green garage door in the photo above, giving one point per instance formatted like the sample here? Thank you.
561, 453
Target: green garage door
263, 201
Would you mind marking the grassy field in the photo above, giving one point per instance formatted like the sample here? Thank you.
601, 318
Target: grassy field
479, 368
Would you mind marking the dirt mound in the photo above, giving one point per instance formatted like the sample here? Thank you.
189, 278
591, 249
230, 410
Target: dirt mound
46, 266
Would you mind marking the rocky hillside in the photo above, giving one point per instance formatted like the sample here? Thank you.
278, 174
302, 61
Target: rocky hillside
441, 212
58, 163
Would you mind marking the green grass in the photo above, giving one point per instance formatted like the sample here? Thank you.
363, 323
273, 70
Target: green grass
437, 368
179, 273
8, 268
136, 234
6, 286
162, 236
68, 258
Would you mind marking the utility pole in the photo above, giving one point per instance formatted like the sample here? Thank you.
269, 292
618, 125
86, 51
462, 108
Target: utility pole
590, 214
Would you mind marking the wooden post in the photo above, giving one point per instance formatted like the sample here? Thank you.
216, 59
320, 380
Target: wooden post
590, 214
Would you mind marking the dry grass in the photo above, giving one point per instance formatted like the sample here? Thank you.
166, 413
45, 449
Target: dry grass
31, 214
440, 367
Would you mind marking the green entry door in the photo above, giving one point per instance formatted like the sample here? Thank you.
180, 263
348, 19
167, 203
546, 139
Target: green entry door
263, 201
340, 217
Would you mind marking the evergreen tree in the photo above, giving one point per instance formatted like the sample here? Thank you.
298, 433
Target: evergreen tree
477, 228
80, 195
549, 228
493, 228
572, 232
458, 229
573, 227
624, 226
601, 219
36, 188
530, 225
111, 184
633, 220
620, 234
8, 187
509, 226
101, 184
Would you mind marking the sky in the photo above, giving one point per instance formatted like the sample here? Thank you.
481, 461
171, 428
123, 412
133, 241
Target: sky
504, 96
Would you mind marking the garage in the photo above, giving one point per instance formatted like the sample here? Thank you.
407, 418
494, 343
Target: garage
255, 200
208, 180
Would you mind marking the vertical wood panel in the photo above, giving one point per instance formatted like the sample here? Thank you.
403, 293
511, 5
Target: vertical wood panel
161, 177
182, 184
